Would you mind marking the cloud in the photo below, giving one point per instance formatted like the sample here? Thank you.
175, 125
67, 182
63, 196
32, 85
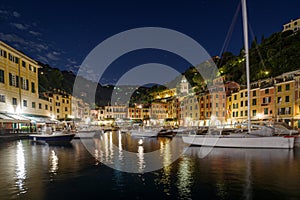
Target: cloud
9, 14
71, 61
20, 26
16, 14
42, 59
53, 55
35, 33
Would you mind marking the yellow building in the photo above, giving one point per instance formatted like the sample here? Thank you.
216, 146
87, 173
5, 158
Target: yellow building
164, 94
293, 25
19, 83
285, 92
60, 104
190, 110
158, 112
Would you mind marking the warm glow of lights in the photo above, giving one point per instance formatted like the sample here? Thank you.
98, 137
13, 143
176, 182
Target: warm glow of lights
140, 142
53, 162
20, 170
259, 115
141, 161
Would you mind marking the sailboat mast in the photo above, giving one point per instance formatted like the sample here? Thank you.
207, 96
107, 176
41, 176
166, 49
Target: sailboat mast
246, 43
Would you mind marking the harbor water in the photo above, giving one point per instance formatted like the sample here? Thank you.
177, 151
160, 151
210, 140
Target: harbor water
72, 171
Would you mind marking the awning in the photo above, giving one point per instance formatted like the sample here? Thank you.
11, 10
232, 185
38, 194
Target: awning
41, 119
13, 118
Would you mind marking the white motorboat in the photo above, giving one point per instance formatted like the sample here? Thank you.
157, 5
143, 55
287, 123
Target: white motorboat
144, 132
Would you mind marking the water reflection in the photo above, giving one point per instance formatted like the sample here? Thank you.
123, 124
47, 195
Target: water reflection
134, 154
185, 178
53, 159
141, 162
20, 168
239, 168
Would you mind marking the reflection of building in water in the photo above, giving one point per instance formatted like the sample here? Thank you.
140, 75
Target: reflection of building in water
20, 170
53, 161
141, 161
185, 179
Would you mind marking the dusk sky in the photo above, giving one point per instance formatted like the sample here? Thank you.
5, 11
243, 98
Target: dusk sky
62, 33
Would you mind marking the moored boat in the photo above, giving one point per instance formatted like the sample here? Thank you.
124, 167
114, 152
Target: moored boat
56, 137
143, 132
241, 141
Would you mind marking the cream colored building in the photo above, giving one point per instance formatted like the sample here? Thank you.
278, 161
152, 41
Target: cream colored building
293, 25
19, 84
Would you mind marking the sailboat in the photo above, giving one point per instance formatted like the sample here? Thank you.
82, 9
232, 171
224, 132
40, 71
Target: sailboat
243, 140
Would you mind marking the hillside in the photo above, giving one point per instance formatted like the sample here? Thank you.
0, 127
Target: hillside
275, 55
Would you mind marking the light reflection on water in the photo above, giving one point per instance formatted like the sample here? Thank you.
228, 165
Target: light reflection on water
31, 171
53, 162
20, 168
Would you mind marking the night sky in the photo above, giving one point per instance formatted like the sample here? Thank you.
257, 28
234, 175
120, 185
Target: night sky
62, 33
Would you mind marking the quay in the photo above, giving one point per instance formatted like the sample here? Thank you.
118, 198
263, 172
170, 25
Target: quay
15, 136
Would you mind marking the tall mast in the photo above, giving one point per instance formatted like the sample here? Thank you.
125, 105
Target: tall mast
245, 26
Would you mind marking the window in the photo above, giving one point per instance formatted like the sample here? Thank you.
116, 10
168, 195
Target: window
63, 101
57, 110
14, 101
46, 107
279, 89
266, 111
254, 93
25, 103
217, 105
266, 100
13, 80
287, 87
254, 102
279, 99
32, 87
1, 76
24, 83
66, 109
51, 108
23, 63
242, 113
3, 53
246, 94
242, 94
33, 105
217, 96
267, 91
40, 106
253, 113
242, 103
246, 112
2, 98
235, 97
287, 98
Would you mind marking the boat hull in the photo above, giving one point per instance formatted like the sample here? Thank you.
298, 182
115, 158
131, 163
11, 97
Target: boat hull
240, 142
57, 138
144, 133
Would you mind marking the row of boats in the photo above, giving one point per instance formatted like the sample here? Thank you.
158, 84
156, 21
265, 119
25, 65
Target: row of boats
259, 137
